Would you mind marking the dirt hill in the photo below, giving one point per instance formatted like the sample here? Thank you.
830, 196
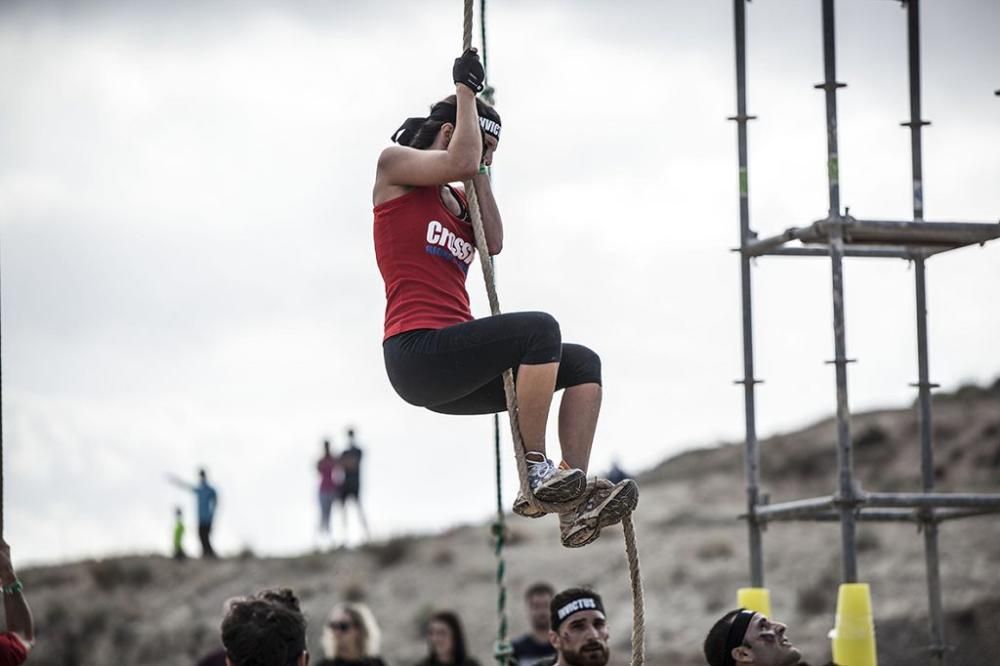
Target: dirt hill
151, 610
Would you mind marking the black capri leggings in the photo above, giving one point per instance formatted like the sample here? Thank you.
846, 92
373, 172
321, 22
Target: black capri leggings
459, 369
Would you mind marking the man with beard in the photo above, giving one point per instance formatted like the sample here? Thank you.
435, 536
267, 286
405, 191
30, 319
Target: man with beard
743, 637
579, 630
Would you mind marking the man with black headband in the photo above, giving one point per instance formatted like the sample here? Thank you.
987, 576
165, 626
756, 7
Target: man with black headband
743, 637
579, 629
266, 629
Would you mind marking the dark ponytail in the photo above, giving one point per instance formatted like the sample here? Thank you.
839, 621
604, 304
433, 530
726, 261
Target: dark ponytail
420, 132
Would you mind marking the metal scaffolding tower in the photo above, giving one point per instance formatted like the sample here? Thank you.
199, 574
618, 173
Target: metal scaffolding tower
837, 236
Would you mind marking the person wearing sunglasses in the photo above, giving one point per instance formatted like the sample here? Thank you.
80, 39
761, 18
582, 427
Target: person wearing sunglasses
351, 637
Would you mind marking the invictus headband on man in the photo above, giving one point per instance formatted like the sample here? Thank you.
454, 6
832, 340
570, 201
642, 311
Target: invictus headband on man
582, 601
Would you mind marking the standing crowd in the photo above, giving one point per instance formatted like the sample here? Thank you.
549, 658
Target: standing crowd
569, 628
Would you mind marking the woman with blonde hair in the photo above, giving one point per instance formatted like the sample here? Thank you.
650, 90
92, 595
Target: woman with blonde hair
351, 637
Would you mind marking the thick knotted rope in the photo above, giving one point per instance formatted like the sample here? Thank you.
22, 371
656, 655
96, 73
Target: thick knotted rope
631, 550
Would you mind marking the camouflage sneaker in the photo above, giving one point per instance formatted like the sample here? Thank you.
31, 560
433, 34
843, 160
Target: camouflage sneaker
522, 507
606, 505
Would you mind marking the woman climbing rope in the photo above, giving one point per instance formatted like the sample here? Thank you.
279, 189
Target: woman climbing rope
437, 356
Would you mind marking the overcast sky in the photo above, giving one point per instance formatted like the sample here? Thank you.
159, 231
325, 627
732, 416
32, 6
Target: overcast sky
188, 273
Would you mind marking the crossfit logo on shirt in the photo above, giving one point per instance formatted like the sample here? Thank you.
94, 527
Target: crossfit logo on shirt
439, 238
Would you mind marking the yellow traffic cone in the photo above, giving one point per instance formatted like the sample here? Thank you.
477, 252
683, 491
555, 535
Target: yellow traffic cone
757, 599
853, 635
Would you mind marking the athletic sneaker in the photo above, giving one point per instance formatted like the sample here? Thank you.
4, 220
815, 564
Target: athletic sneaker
553, 484
522, 507
606, 504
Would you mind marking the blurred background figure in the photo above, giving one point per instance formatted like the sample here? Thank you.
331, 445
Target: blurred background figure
616, 474
208, 501
535, 644
446, 641
17, 641
179, 553
351, 637
330, 480
350, 462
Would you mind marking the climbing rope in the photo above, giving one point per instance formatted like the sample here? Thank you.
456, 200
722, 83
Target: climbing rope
631, 550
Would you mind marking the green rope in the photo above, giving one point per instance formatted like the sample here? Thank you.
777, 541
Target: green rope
502, 650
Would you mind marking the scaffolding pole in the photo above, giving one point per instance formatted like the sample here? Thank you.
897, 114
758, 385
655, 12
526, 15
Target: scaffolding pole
838, 236
752, 455
845, 454
928, 522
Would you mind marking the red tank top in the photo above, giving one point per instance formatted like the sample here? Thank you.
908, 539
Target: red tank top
424, 253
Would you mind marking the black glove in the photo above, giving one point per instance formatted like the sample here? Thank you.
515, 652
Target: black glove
468, 70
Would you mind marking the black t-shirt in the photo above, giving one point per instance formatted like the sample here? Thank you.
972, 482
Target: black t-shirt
367, 661
350, 460
527, 650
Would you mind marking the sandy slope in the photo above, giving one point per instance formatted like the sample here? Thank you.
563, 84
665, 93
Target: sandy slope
150, 610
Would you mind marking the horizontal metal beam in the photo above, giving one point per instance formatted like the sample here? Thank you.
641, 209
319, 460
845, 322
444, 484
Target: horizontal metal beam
806, 507
866, 515
942, 515
900, 232
932, 500
880, 252
876, 515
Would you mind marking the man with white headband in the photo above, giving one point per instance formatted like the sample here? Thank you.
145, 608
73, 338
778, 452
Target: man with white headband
579, 629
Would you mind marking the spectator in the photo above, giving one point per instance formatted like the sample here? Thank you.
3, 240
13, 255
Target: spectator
446, 642
17, 641
179, 553
351, 637
616, 474
330, 477
579, 629
535, 644
743, 637
208, 501
267, 629
350, 462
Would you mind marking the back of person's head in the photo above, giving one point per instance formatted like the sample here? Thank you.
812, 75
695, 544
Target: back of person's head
452, 621
716, 646
202, 474
421, 132
266, 629
369, 634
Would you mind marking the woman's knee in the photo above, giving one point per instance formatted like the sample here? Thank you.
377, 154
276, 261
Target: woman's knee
580, 365
544, 339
